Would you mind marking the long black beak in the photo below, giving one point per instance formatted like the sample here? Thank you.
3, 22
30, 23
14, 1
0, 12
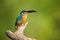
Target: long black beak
31, 11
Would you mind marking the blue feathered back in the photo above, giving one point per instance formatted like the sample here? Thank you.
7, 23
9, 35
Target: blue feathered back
18, 19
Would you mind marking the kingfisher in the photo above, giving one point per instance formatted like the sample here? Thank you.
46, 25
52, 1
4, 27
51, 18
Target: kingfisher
22, 17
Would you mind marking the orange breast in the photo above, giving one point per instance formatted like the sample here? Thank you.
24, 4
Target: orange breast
24, 17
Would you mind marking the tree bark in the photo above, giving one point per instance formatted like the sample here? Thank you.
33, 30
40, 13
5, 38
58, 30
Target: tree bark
19, 33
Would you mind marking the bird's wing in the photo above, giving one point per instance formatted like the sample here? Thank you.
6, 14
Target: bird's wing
18, 19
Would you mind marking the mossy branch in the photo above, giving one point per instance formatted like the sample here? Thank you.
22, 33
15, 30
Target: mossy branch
19, 33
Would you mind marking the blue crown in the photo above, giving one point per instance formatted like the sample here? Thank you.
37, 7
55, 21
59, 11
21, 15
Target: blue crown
23, 11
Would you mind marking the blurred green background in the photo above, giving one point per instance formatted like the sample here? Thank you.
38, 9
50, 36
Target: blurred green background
43, 25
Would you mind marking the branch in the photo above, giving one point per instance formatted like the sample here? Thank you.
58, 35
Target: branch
19, 33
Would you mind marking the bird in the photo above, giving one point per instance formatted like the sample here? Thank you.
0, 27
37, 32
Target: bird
22, 17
